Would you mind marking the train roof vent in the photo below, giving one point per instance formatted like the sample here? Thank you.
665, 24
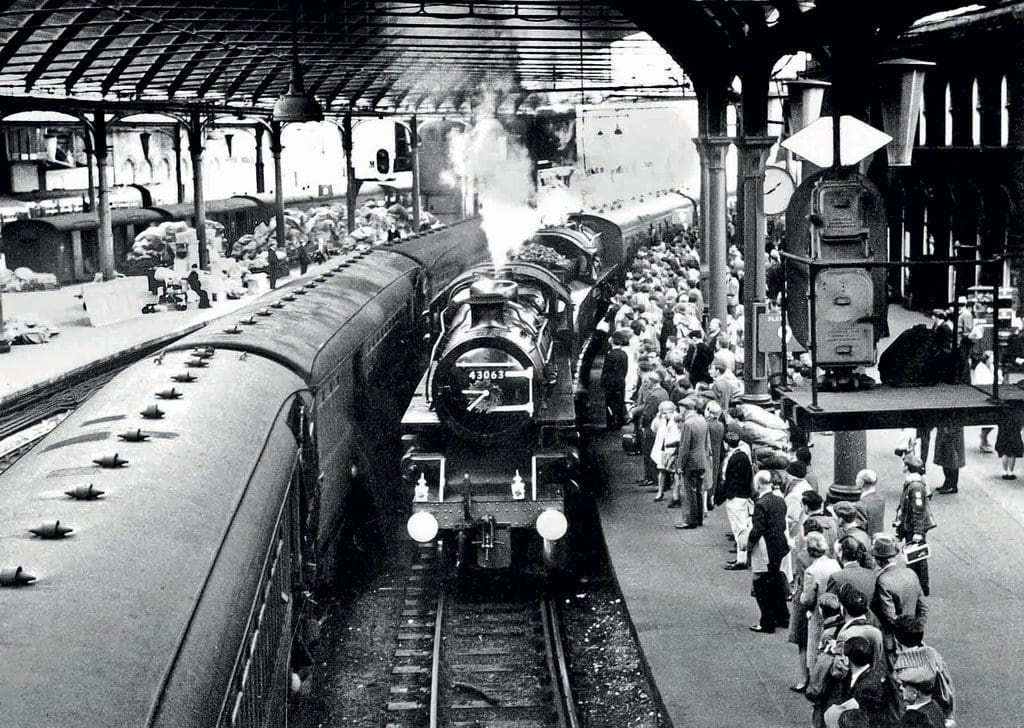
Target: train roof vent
110, 462
85, 492
184, 377
171, 393
288, 297
251, 321
326, 275
15, 577
264, 312
300, 292
203, 352
321, 278
136, 435
51, 530
277, 304
152, 413
233, 330
311, 284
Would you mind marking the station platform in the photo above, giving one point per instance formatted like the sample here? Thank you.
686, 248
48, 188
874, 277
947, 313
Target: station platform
692, 617
79, 345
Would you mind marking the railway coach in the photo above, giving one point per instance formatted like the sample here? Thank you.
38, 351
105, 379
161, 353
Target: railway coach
160, 548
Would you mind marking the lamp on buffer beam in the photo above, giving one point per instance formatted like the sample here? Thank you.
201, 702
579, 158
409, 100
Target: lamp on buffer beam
295, 104
901, 84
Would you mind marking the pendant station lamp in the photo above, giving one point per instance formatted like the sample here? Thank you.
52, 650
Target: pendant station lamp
295, 104
901, 84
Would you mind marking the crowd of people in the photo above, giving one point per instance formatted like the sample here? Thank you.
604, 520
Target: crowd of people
850, 588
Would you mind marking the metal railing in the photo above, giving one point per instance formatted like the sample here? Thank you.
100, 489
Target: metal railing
814, 266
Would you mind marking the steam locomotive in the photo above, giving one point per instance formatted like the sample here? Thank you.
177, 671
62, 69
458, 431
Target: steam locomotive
491, 436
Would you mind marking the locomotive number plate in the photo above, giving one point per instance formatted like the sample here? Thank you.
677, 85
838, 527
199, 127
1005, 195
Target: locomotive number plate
483, 375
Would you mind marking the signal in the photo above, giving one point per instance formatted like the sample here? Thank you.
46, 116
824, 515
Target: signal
837, 217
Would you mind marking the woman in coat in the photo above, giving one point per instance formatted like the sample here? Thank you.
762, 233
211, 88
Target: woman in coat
666, 427
949, 455
815, 582
1009, 445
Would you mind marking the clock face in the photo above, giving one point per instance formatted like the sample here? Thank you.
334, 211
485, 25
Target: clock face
778, 188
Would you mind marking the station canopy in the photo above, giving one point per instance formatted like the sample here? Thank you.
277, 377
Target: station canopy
382, 56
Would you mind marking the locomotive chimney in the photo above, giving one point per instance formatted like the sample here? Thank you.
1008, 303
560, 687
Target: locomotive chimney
487, 299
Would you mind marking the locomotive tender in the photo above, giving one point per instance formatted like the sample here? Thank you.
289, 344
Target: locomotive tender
491, 432
160, 548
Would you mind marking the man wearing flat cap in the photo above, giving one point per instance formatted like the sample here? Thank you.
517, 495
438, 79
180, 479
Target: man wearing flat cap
849, 526
897, 590
916, 685
692, 459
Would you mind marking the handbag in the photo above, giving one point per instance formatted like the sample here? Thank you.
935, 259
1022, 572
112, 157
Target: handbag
916, 553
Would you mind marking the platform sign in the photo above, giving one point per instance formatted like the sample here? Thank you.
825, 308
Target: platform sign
856, 141
769, 334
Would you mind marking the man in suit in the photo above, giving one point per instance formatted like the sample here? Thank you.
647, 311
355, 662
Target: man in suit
856, 623
897, 590
692, 459
767, 546
866, 688
871, 506
613, 381
735, 493
852, 574
698, 358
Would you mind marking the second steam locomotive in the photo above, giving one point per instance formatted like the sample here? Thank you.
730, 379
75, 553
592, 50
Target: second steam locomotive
491, 432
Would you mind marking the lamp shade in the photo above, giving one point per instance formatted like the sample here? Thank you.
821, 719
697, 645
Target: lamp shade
901, 83
805, 96
295, 104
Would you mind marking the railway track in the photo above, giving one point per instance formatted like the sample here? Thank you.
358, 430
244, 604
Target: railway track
468, 659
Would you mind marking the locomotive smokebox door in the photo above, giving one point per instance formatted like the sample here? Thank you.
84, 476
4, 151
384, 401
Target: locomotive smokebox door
838, 217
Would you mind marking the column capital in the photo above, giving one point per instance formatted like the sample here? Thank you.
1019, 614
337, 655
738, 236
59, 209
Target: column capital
756, 142
711, 140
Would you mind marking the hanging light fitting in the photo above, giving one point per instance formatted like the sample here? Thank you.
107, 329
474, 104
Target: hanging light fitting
295, 104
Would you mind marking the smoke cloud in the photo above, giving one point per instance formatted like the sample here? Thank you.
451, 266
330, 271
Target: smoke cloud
501, 172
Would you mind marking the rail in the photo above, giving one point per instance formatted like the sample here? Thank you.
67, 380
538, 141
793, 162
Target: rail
503, 649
